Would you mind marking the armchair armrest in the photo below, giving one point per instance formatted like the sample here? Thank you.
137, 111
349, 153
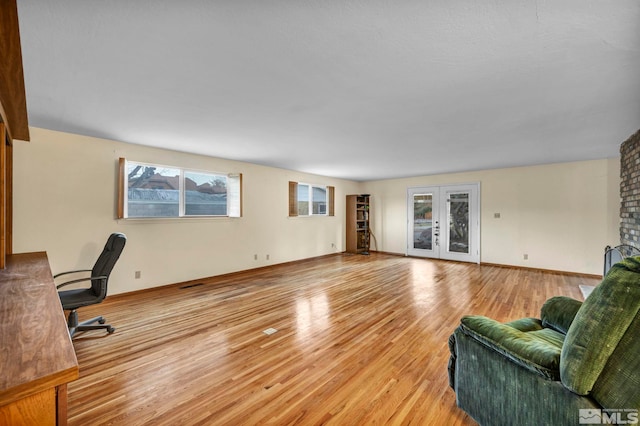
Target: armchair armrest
558, 313
535, 352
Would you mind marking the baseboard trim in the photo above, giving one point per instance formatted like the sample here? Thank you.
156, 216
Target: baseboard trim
500, 265
555, 271
205, 280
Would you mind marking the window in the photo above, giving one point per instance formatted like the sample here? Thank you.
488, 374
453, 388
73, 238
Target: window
205, 194
154, 191
318, 200
310, 200
303, 199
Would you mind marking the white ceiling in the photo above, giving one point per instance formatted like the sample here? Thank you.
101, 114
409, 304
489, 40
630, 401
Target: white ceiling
356, 89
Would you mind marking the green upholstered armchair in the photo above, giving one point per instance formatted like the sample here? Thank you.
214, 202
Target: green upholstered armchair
578, 361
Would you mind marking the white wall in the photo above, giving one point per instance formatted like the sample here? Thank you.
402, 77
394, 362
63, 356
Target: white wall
561, 215
65, 204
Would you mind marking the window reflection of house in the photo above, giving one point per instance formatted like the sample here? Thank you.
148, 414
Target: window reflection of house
155, 181
158, 181
149, 202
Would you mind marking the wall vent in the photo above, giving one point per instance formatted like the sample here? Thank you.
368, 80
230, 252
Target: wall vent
191, 285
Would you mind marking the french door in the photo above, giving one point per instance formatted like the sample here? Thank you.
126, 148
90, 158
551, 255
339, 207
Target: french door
444, 222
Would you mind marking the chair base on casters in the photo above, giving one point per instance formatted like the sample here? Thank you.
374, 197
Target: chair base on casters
75, 326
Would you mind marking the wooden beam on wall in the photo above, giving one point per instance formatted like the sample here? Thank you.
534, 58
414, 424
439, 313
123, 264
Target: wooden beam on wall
8, 199
13, 99
3, 195
293, 199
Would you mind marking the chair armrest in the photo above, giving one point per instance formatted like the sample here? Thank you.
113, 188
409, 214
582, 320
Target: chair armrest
71, 272
79, 280
521, 347
558, 313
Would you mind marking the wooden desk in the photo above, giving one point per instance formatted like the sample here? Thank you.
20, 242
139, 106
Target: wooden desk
37, 358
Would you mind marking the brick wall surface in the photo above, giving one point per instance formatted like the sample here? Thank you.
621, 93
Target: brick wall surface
630, 191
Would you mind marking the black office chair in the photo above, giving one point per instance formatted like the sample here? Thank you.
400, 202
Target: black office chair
77, 298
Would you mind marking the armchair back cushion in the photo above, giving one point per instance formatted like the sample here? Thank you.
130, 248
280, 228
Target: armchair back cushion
601, 348
619, 383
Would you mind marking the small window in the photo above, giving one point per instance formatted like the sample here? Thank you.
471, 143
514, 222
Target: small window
310, 200
319, 200
154, 191
303, 199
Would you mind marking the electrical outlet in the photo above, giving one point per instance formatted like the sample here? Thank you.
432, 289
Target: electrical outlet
267, 257
496, 215
138, 275
525, 256
255, 257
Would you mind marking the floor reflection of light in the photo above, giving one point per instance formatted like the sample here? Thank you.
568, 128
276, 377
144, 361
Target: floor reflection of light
431, 283
423, 281
312, 315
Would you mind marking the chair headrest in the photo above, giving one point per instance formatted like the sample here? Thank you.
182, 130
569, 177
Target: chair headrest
115, 241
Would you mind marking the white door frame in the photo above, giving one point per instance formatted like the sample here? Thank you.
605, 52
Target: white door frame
440, 223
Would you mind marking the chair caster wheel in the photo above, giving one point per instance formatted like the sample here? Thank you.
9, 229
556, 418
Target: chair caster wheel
110, 330
102, 321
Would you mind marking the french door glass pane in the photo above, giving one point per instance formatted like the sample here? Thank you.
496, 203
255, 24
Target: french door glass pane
422, 221
458, 222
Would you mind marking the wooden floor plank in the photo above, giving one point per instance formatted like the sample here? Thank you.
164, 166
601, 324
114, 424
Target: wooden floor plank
360, 340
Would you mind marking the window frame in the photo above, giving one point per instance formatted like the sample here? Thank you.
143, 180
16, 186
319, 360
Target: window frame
233, 192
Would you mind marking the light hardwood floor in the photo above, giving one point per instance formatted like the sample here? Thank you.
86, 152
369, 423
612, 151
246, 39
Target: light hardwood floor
360, 340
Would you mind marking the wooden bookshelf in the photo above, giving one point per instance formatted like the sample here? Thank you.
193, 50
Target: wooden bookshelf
358, 231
